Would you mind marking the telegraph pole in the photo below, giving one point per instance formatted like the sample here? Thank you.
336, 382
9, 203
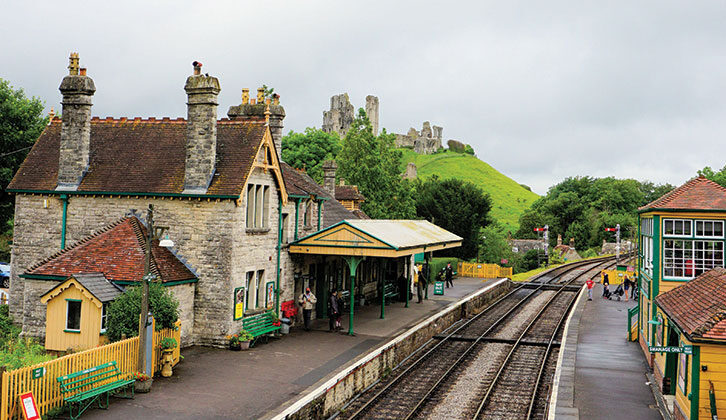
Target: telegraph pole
143, 319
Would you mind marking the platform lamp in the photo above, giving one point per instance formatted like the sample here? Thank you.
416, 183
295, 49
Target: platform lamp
153, 233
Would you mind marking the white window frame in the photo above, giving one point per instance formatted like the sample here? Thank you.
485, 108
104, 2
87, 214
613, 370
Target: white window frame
260, 274
646, 226
698, 265
80, 312
250, 219
647, 255
714, 222
249, 281
104, 317
672, 235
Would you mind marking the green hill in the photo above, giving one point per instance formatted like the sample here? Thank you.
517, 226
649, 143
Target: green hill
509, 199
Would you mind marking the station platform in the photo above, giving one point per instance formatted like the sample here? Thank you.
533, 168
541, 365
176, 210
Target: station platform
263, 381
602, 375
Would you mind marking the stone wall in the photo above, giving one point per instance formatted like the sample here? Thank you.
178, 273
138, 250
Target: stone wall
340, 116
372, 112
184, 293
334, 394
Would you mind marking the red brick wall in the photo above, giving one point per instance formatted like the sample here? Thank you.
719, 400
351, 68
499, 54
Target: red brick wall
644, 347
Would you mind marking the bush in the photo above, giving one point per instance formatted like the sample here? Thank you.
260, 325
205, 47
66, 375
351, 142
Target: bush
469, 150
124, 312
17, 353
439, 263
8, 330
530, 261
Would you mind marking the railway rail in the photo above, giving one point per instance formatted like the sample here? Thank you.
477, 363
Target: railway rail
514, 340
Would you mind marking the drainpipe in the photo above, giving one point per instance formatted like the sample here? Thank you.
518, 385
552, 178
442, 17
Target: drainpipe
297, 207
320, 205
64, 197
279, 249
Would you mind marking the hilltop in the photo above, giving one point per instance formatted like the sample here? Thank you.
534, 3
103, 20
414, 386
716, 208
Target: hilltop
509, 199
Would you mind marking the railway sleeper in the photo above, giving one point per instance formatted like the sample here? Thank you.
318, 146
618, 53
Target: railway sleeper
496, 340
555, 286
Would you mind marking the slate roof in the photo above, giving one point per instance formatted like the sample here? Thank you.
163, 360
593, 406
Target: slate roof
300, 183
117, 252
143, 156
699, 306
696, 194
99, 286
348, 192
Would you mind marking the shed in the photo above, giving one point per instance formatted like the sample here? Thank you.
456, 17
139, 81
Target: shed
76, 311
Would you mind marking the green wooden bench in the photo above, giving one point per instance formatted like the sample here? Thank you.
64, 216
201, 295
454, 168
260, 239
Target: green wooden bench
81, 389
390, 291
260, 324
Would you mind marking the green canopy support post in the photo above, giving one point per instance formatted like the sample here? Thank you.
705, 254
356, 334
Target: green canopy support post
407, 266
297, 209
383, 298
427, 258
353, 262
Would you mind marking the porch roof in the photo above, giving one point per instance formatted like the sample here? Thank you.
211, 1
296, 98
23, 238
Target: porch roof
377, 238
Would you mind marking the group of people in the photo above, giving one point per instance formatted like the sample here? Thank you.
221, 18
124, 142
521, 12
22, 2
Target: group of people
627, 288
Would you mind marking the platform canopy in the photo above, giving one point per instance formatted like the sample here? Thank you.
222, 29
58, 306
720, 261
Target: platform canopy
377, 238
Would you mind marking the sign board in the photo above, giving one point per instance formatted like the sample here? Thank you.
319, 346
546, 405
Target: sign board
439, 288
671, 349
239, 303
270, 295
29, 407
38, 373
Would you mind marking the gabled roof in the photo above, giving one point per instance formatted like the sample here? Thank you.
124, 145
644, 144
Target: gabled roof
696, 194
299, 183
117, 252
95, 283
348, 192
377, 238
699, 306
143, 156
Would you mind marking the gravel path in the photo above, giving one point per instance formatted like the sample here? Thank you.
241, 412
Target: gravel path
470, 383
513, 328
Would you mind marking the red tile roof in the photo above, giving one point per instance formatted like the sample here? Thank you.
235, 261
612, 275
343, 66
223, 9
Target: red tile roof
348, 192
143, 156
118, 252
696, 194
699, 306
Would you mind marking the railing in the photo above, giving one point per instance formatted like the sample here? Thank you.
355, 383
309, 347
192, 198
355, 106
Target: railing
489, 271
45, 386
633, 320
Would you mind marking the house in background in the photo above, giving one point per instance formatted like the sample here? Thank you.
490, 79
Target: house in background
76, 312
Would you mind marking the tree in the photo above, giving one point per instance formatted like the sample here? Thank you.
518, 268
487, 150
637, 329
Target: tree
308, 150
372, 163
457, 206
718, 177
124, 311
494, 246
21, 122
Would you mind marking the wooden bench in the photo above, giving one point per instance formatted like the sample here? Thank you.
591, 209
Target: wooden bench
390, 291
260, 324
81, 389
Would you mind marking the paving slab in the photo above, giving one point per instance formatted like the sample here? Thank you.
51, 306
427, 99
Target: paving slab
260, 382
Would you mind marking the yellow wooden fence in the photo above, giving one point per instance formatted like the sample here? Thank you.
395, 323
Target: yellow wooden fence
488, 271
46, 390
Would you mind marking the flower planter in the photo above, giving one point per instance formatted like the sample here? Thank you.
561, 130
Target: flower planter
168, 360
143, 387
244, 345
235, 346
284, 328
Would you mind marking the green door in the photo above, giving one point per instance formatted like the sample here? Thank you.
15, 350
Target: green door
671, 362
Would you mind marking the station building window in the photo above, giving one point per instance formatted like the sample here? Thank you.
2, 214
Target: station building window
709, 228
258, 206
687, 259
73, 315
677, 227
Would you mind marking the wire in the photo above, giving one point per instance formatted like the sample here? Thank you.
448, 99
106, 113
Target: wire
15, 151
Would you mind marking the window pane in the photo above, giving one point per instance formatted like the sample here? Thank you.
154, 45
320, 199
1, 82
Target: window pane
250, 205
718, 229
699, 228
668, 227
73, 319
686, 227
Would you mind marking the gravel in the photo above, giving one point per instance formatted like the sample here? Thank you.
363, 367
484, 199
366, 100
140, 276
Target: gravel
514, 327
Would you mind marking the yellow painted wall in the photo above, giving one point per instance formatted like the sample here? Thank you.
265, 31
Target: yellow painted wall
668, 285
56, 338
713, 356
682, 399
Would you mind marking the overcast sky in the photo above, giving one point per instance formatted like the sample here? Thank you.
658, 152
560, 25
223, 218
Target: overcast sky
541, 90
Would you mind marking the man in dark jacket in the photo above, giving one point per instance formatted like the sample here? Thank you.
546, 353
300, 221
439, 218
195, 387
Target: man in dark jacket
333, 310
449, 273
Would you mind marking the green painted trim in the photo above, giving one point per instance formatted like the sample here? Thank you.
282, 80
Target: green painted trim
654, 209
298, 196
279, 250
352, 262
165, 284
343, 222
74, 331
347, 246
234, 303
64, 220
657, 269
320, 207
74, 300
695, 381
42, 277
297, 217
53, 192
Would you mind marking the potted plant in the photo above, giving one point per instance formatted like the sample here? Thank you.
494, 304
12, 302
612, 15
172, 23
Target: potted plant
234, 342
245, 338
167, 347
143, 382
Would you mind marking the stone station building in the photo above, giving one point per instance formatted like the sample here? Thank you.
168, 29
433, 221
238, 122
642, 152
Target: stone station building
231, 206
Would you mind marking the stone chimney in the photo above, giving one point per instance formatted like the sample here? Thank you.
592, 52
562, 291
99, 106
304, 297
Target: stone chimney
202, 91
572, 242
329, 168
255, 109
77, 90
559, 240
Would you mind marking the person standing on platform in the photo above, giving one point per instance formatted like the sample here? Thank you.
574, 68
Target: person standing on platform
307, 300
589, 283
605, 286
333, 311
418, 278
449, 273
339, 318
626, 285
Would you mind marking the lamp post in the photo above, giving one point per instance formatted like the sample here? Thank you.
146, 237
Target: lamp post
152, 233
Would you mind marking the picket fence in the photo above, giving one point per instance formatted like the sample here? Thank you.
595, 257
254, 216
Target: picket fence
487, 271
45, 388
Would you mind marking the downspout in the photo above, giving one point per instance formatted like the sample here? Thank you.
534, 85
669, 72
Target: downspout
297, 207
64, 197
320, 205
279, 249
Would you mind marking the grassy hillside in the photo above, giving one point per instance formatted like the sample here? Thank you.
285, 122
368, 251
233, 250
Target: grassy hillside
509, 199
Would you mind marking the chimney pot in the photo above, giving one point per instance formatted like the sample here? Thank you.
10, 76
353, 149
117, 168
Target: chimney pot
252, 101
329, 169
197, 68
82, 71
260, 95
245, 96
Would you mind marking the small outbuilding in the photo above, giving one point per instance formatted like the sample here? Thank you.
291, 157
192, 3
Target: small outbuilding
76, 311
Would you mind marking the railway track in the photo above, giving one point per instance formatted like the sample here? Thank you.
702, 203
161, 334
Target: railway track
498, 364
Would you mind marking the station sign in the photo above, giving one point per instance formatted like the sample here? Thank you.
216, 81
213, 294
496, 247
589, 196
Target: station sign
38, 373
439, 288
671, 349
